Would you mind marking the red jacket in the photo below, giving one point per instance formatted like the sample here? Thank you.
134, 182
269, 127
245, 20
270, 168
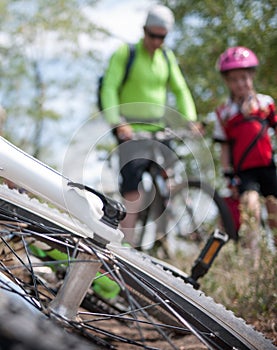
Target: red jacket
241, 131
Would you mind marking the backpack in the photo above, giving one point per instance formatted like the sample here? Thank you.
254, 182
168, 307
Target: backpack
131, 57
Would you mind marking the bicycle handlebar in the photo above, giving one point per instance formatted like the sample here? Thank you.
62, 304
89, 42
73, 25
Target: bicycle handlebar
167, 134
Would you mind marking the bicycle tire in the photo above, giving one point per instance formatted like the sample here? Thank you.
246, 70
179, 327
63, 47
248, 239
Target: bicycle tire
223, 210
195, 210
20, 328
216, 328
205, 309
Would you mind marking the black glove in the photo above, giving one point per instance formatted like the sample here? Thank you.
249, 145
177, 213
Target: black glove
229, 174
232, 178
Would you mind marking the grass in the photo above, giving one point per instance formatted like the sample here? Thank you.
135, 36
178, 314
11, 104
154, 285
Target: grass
250, 293
234, 282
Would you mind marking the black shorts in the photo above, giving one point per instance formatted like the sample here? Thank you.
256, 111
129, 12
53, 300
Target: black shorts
135, 159
262, 180
131, 175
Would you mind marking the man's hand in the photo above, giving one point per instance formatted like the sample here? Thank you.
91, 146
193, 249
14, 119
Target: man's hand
197, 128
124, 132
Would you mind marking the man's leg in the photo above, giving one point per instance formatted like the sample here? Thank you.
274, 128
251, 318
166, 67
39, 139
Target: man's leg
132, 202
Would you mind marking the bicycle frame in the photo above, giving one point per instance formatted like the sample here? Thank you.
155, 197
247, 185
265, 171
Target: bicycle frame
40, 179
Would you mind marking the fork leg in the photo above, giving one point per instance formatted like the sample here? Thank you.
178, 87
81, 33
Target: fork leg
77, 281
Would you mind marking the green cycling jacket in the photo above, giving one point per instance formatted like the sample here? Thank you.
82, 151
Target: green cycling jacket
144, 94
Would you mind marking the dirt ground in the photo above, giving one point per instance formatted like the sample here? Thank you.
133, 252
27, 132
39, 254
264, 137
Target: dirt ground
268, 327
188, 342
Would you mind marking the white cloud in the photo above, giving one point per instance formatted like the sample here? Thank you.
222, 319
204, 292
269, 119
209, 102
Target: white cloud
123, 18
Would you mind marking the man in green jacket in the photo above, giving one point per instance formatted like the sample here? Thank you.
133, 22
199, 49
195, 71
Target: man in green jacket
142, 99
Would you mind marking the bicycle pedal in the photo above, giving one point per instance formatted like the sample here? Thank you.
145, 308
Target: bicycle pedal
204, 261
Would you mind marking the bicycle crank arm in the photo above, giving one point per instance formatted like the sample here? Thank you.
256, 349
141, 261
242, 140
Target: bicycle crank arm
38, 178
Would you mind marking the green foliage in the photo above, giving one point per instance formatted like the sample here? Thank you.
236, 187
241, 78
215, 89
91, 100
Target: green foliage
206, 28
37, 38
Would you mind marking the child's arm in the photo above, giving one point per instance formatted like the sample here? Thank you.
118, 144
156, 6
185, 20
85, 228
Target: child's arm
225, 158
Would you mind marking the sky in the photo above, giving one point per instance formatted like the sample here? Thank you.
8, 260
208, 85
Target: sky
123, 18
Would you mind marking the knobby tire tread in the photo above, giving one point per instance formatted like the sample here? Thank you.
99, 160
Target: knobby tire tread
20, 328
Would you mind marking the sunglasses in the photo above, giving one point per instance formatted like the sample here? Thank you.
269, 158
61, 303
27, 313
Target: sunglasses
154, 35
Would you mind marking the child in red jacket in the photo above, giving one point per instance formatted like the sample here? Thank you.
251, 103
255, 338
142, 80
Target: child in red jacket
246, 150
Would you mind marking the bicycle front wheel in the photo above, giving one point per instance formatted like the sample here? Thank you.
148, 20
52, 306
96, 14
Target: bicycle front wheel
194, 212
153, 308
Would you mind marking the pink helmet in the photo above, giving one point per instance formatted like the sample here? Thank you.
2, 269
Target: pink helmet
237, 57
